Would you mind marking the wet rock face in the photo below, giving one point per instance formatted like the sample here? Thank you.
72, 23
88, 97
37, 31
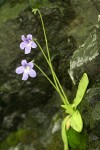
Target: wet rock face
86, 58
87, 34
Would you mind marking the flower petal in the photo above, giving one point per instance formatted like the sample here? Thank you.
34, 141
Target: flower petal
23, 45
30, 64
25, 76
27, 49
20, 70
32, 73
24, 63
23, 38
29, 37
33, 44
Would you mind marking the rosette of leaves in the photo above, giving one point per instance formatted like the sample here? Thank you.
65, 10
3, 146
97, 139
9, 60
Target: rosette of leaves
74, 120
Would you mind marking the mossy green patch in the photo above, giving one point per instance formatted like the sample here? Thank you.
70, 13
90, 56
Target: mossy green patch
77, 140
20, 136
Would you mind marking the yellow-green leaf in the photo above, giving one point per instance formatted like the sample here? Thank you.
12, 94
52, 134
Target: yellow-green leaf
76, 121
81, 90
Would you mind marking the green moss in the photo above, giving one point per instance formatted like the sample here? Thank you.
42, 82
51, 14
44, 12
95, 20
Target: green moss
77, 140
20, 136
12, 140
4, 145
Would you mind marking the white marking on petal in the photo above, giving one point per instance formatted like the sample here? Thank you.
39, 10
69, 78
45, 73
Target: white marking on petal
27, 69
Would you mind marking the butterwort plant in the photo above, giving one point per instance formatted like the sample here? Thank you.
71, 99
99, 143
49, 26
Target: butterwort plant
72, 115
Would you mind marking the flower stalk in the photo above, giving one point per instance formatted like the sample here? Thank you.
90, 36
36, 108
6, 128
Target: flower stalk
48, 59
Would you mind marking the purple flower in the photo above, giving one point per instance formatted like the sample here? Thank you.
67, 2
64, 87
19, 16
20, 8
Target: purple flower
26, 69
27, 43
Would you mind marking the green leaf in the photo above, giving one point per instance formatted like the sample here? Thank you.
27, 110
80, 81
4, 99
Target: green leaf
76, 121
63, 132
81, 90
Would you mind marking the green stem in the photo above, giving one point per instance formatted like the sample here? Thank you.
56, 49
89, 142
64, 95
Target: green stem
57, 83
53, 73
49, 60
51, 83
68, 107
67, 102
45, 76
42, 51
